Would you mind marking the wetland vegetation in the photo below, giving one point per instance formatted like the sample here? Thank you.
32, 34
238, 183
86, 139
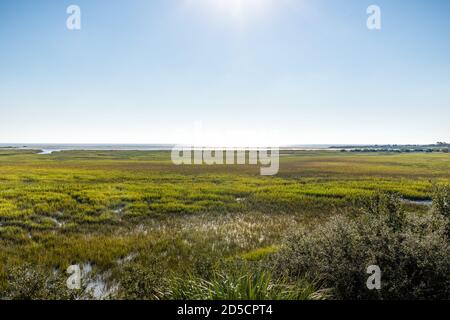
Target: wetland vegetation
142, 228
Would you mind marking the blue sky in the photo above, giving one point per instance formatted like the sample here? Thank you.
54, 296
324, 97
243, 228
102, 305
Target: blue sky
246, 71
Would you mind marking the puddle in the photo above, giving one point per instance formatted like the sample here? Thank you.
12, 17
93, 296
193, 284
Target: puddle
119, 210
98, 288
55, 221
96, 285
49, 151
427, 203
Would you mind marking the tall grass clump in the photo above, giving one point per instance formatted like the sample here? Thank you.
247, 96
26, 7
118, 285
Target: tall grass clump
243, 284
411, 250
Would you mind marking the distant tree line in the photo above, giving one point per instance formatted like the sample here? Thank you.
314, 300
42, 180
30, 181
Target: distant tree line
438, 147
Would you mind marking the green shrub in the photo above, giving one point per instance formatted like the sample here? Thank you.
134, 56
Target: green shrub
441, 203
385, 207
412, 252
441, 200
34, 283
139, 282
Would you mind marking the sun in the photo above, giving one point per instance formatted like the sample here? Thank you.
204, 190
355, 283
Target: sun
240, 8
237, 9
233, 7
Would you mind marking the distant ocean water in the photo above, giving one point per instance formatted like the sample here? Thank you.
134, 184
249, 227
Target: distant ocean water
50, 148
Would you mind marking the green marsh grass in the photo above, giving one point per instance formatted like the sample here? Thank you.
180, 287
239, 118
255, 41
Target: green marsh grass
105, 207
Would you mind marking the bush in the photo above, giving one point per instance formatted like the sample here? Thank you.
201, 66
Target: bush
412, 252
441, 203
386, 207
441, 200
34, 283
139, 282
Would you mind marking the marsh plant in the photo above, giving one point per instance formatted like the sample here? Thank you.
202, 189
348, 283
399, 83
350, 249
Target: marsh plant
150, 230
441, 203
329, 261
244, 285
29, 282
412, 251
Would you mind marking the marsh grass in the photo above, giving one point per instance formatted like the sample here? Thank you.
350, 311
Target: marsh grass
121, 211
242, 281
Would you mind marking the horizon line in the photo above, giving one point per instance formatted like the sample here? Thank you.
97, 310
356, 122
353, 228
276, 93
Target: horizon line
24, 144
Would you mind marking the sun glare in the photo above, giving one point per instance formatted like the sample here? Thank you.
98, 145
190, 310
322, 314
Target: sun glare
238, 9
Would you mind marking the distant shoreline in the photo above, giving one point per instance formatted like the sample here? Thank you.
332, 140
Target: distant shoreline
50, 148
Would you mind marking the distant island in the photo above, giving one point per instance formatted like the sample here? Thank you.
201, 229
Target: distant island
437, 147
